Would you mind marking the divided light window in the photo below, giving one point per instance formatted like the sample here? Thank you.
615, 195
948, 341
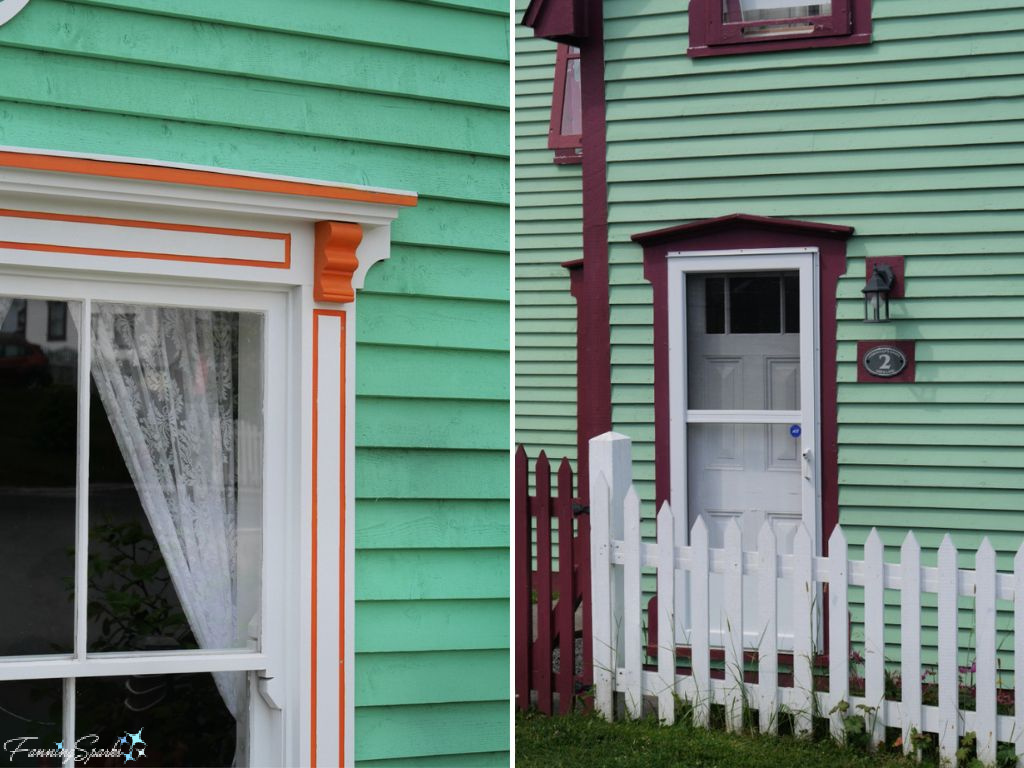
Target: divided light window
565, 132
131, 493
746, 26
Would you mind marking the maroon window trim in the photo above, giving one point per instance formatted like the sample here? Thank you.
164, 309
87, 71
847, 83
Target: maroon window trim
849, 23
565, 129
735, 232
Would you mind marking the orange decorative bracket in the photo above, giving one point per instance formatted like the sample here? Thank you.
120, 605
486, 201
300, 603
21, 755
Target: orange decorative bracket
335, 260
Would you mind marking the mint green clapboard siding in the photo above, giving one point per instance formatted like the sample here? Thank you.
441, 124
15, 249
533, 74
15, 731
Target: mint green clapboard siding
547, 196
915, 141
409, 95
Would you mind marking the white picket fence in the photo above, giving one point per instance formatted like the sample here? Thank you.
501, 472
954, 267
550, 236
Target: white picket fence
618, 554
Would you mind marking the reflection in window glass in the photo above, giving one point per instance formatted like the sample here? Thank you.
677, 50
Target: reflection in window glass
765, 10
714, 297
754, 305
30, 710
38, 429
572, 109
791, 302
180, 719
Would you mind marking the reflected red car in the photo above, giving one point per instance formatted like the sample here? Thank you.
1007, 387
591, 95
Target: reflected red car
22, 364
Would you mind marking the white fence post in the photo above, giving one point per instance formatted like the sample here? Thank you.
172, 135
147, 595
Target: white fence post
700, 613
804, 622
601, 597
985, 652
949, 704
666, 617
632, 614
732, 610
611, 475
768, 652
838, 632
874, 637
910, 640
1018, 651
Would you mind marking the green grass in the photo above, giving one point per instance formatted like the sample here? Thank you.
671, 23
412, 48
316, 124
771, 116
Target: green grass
585, 740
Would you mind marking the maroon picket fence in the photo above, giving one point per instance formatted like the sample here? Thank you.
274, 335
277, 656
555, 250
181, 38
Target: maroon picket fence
549, 596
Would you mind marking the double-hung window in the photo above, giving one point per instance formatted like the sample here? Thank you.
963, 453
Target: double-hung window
134, 541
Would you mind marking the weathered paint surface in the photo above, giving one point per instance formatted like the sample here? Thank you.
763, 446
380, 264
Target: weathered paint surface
548, 197
913, 140
408, 95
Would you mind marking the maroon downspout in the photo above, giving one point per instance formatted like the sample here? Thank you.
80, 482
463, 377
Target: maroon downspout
593, 340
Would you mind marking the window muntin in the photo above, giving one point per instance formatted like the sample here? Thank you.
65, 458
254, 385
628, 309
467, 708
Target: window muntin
565, 132
82, 659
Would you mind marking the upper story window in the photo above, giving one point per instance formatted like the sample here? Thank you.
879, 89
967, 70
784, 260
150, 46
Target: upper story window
565, 134
747, 26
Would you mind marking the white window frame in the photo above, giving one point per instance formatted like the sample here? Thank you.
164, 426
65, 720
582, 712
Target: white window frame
306, 660
266, 661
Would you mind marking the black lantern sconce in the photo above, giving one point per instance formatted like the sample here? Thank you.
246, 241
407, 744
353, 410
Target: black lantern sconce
881, 284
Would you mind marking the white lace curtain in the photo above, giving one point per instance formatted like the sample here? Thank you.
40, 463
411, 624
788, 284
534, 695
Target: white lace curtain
5, 306
164, 376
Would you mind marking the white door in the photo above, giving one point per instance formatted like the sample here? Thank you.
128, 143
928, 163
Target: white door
749, 419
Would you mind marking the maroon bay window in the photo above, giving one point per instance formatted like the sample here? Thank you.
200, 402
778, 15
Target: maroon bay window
565, 134
746, 26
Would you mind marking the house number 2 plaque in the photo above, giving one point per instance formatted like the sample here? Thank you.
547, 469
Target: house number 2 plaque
885, 362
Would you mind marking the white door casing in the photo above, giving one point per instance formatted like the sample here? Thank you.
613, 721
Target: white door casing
735, 397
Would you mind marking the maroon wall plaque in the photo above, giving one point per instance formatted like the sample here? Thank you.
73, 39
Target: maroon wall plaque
875, 360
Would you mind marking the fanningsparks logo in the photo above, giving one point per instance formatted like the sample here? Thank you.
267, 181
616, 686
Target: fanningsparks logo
130, 746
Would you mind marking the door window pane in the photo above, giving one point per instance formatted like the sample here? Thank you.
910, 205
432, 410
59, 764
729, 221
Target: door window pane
38, 460
749, 363
754, 305
176, 478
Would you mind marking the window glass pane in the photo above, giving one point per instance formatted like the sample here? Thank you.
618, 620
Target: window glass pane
714, 295
175, 719
572, 109
175, 478
30, 714
763, 10
754, 304
38, 429
791, 289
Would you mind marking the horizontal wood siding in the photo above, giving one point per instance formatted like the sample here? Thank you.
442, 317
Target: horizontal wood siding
548, 199
914, 140
410, 95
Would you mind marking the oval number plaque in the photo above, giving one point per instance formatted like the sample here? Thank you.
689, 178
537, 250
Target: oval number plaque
885, 361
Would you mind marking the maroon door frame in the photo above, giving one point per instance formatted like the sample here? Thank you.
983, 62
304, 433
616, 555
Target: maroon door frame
739, 231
